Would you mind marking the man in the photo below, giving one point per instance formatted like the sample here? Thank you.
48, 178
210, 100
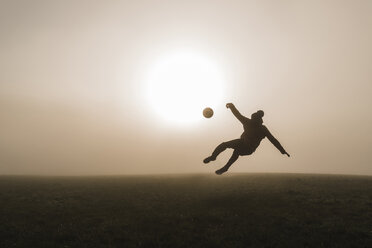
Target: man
251, 138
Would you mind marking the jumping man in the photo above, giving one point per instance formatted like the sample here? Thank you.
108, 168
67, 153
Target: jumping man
250, 139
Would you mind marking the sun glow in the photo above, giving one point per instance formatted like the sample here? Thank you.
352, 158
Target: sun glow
181, 85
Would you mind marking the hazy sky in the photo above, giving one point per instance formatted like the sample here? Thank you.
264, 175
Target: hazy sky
72, 79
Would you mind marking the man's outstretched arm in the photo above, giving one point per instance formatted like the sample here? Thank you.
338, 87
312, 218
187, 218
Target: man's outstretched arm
237, 114
276, 143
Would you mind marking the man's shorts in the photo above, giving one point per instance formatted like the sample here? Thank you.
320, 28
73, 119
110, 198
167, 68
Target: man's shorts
242, 147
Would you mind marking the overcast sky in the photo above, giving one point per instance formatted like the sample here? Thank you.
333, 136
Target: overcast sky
72, 77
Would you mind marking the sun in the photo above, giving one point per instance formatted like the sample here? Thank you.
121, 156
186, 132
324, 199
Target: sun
180, 85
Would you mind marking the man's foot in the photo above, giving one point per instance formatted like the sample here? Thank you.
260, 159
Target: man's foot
221, 171
209, 159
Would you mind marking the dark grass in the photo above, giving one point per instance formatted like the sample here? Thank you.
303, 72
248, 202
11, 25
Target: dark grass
234, 210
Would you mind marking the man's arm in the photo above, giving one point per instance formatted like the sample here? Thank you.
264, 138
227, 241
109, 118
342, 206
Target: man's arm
275, 142
237, 114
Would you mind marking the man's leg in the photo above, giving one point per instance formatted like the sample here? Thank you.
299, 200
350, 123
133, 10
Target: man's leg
222, 147
232, 159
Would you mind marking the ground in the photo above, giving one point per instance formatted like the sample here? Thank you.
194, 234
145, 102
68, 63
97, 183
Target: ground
233, 210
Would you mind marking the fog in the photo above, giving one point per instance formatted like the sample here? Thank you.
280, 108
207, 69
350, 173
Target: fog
71, 82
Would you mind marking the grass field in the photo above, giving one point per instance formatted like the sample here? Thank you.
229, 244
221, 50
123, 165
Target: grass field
233, 210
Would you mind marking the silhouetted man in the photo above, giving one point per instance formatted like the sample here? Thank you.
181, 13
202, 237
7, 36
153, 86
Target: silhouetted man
250, 139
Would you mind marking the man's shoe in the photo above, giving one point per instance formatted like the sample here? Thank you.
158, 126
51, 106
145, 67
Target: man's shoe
221, 171
209, 159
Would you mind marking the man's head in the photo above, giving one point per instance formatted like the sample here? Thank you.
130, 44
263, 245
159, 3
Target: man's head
257, 116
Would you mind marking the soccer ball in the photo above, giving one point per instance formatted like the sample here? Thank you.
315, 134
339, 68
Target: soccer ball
208, 112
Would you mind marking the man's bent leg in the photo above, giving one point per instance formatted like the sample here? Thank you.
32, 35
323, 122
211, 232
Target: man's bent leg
222, 147
232, 159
